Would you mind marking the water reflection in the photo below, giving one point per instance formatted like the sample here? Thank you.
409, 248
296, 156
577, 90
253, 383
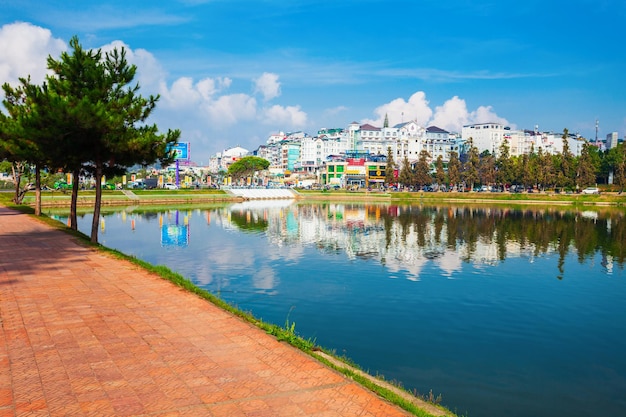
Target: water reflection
409, 238
174, 231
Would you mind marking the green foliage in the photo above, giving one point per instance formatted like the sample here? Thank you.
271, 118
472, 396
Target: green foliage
248, 222
440, 174
588, 165
405, 177
504, 164
5, 167
247, 166
422, 170
390, 168
487, 169
454, 170
109, 131
470, 168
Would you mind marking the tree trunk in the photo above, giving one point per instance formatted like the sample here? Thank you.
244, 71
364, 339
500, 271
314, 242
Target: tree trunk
17, 177
74, 200
37, 190
96, 205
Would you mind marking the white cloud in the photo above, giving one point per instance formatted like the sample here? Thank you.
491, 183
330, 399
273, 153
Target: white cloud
451, 116
335, 110
208, 87
230, 109
398, 110
290, 116
268, 85
182, 94
25, 49
485, 114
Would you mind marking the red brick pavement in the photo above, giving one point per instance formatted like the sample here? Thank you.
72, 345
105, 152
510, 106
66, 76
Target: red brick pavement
84, 334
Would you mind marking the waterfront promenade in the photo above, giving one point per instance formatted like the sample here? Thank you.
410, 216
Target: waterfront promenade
85, 334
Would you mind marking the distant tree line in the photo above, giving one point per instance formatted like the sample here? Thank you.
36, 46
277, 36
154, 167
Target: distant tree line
538, 169
86, 118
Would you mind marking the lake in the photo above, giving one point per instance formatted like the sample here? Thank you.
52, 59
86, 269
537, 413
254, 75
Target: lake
502, 311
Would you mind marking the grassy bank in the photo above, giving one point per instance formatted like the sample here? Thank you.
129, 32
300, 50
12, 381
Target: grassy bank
614, 199
140, 197
192, 197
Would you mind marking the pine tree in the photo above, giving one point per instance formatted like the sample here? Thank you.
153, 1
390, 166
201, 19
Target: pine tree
566, 171
586, 172
487, 169
504, 165
454, 170
440, 173
406, 174
422, 170
390, 168
470, 168
111, 132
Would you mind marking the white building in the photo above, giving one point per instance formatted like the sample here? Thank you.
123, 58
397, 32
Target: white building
372, 139
276, 138
438, 142
315, 150
553, 143
222, 160
521, 142
611, 140
404, 139
484, 136
271, 153
411, 136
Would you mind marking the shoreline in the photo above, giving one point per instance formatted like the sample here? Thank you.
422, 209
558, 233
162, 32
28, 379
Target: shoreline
115, 198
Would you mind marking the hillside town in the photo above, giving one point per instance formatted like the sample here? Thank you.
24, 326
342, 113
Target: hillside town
356, 155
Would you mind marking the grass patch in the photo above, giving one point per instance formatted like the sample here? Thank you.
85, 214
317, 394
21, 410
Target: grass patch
191, 191
521, 198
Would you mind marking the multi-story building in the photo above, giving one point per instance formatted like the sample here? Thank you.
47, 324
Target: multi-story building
438, 142
290, 155
315, 150
521, 142
611, 140
411, 136
553, 143
275, 138
484, 136
371, 139
333, 172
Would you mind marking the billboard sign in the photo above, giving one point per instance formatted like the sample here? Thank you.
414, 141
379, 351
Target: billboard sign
181, 150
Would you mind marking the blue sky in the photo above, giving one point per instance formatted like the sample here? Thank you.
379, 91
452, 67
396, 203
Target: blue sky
231, 72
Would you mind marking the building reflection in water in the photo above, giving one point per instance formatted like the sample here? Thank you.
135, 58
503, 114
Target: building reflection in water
410, 237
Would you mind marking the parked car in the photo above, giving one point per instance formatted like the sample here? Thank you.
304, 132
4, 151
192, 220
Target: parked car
591, 190
170, 186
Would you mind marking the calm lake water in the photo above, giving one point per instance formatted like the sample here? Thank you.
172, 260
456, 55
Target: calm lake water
502, 311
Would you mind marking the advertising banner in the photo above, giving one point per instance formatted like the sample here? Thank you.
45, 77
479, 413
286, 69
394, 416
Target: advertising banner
182, 151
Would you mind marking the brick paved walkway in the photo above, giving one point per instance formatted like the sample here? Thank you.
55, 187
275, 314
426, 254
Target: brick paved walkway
84, 334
